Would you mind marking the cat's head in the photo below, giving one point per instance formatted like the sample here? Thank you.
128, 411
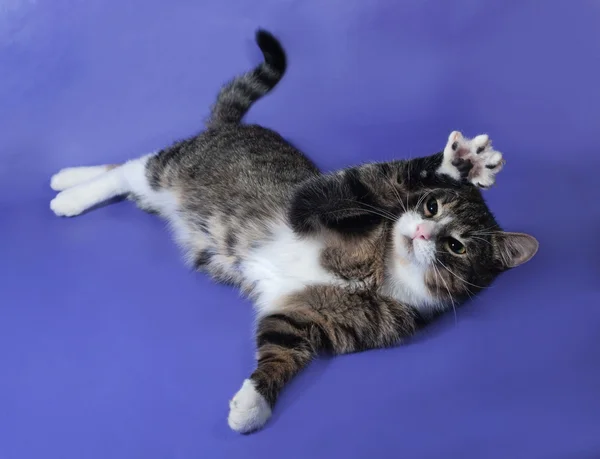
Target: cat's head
446, 246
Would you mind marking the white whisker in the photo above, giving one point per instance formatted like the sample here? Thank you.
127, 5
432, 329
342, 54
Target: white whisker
378, 209
457, 276
486, 231
337, 211
408, 184
481, 239
391, 184
448, 290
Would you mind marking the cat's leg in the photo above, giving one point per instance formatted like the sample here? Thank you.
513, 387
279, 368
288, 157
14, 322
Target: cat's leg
355, 200
474, 160
350, 201
72, 176
102, 183
317, 320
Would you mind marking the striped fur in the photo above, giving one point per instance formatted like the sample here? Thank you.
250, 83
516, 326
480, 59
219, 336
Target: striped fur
236, 97
330, 260
325, 320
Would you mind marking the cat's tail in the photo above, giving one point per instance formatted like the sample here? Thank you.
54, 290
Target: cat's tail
236, 97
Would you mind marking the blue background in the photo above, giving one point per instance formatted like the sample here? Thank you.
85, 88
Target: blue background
110, 348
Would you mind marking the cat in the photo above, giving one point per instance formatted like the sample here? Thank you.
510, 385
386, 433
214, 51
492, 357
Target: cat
335, 263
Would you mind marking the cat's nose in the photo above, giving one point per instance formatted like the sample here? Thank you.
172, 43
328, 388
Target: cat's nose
422, 232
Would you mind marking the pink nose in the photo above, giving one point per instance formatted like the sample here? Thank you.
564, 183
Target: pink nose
421, 232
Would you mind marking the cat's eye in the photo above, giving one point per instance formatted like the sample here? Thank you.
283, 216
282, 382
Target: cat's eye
456, 246
431, 207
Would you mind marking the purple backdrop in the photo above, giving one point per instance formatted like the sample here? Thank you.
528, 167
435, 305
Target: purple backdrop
111, 349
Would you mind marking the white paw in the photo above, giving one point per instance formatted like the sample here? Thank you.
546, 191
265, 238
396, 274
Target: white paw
248, 411
474, 159
73, 176
69, 203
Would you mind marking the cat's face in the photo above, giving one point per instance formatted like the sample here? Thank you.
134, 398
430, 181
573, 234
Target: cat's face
447, 246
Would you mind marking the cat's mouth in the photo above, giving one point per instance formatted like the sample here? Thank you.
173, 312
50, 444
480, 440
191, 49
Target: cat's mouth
419, 251
408, 244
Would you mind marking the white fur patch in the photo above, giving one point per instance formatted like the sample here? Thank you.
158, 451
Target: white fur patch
405, 282
407, 265
486, 161
73, 176
282, 265
85, 187
248, 411
422, 252
73, 201
127, 178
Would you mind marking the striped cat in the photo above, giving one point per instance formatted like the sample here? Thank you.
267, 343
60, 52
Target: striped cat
335, 263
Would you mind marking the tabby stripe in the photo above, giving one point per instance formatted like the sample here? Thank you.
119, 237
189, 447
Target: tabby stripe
250, 90
268, 78
202, 259
236, 106
325, 343
286, 340
407, 320
288, 320
351, 335
276, 358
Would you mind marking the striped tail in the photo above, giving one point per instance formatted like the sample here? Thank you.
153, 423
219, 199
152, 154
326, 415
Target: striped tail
236, 97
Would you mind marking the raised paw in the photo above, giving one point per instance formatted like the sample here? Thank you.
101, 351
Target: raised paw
248, 411
473, 160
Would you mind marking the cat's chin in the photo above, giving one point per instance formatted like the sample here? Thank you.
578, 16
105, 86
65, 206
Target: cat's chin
416, 251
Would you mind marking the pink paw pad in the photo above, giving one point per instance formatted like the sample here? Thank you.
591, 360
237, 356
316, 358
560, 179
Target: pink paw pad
474, 160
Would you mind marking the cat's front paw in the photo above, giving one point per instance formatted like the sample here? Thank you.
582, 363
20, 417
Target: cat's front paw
473, 160
248, 411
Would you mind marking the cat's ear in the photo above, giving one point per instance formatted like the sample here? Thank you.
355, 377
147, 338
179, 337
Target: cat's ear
514, 249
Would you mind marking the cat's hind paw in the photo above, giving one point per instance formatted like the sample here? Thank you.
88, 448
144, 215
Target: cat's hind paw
248, 411
73, 176
473, 160
69, 203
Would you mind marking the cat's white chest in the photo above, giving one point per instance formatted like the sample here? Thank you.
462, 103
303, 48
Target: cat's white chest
406, 284
285, 264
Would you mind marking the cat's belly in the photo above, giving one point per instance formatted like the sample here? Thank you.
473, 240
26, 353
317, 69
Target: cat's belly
285, 264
